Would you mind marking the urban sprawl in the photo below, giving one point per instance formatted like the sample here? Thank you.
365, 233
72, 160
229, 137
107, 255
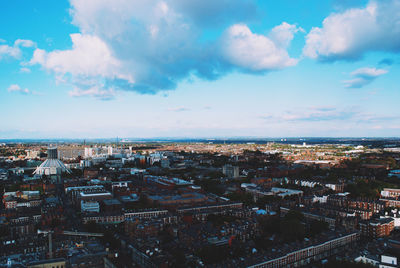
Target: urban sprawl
199, 204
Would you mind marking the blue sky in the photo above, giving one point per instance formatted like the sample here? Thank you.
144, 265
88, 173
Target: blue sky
201, 68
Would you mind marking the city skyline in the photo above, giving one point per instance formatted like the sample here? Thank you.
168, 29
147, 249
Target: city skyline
86, 69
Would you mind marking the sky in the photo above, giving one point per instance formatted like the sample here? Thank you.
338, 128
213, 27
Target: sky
199, 68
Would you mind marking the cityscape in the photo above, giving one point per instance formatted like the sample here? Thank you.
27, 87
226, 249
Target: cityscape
199, 133
200, 204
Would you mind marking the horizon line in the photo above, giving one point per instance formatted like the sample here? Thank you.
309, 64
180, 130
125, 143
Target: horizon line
206, 138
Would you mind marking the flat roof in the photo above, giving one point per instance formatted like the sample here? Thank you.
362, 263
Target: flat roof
112, 202
47, 261
95, 194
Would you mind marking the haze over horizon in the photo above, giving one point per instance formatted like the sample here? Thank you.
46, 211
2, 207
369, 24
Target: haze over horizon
174, 68
217, 139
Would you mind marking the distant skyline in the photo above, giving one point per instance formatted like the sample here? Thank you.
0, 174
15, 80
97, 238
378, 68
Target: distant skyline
200, 68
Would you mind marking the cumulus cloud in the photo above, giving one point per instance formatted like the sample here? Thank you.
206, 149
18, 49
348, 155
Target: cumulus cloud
14, 51
88, 57
209, 13
283, 34
348, 35
24, 43
363, 76
256, 52
149, 46
10, 51
17, 88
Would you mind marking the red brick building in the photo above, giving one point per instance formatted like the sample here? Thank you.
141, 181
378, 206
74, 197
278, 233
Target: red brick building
377, 228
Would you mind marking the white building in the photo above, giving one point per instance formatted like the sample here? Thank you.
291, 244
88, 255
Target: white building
320, 199
230, 171
90, 206
390, 193
395, 215
52, 165
383, 262
32, 154
283, 192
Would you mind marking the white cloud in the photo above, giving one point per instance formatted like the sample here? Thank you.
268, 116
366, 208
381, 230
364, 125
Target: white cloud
24, 70
17, 88
89, 57
97, 92
283, 34
24, 43
15, 50
258, 52
86, 66
150, 46
369, 72
350, 34
363, 77
6, 50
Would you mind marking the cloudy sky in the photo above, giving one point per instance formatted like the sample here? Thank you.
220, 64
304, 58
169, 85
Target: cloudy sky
199, 68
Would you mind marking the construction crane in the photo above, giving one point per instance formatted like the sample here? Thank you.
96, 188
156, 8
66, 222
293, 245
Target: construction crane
49, 233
